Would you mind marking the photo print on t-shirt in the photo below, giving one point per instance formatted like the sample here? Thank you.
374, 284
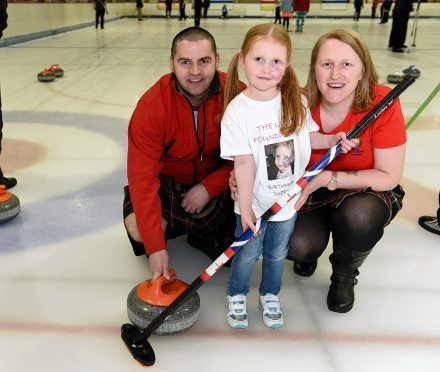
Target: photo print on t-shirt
280, 160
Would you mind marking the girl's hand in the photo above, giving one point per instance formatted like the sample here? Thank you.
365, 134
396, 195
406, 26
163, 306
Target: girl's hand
248, 219
346, 145
233, 186
302, 199
321, 180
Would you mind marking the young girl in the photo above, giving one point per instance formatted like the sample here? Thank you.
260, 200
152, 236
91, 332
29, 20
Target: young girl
269, 111
284, 155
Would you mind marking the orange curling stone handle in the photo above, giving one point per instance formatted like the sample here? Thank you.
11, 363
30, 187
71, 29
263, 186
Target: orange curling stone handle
160, 292
4, 195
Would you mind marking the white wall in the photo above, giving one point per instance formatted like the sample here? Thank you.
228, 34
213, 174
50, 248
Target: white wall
25, 19
30, 18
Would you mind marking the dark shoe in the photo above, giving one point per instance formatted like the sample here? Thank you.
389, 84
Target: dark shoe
398, 50
8, 182
340, 298
430, 224
345, 263
209, 245
404, 46
304, 268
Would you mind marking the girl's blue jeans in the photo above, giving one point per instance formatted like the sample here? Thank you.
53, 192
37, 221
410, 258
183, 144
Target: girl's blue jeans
272, 243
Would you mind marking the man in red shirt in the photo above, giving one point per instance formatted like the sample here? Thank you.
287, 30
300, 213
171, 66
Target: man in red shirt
178, 184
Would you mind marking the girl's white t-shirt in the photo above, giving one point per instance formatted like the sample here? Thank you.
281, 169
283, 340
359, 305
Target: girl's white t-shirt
252, 127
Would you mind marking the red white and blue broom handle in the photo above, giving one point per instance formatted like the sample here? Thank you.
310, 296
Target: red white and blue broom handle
290, 194
317, 168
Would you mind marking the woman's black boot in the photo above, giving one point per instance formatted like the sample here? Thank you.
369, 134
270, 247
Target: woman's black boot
304, 268
345, 264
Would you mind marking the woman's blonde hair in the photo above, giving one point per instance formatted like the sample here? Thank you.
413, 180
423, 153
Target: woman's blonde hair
364, 94
293, 111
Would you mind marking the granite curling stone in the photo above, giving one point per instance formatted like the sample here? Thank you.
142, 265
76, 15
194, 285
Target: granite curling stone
9, 206
397, 77
413, 71
46, 76
57, 70
147, 300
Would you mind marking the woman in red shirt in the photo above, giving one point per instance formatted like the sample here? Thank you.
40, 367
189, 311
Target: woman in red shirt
358, 194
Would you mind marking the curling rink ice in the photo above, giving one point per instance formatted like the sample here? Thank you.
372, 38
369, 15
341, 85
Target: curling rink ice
66, 266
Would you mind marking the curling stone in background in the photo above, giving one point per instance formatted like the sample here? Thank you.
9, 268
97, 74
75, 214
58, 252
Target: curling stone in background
397, 77
413, 71
148, 299
50, 74
57, 70
9, 206
46, 76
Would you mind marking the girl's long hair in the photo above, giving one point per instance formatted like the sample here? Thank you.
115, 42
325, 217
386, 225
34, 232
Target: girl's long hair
293, 111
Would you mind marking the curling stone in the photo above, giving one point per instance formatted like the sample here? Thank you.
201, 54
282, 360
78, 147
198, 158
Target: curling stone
9, 206
148, 299
397, 77
413, 71
57, 70
46, 76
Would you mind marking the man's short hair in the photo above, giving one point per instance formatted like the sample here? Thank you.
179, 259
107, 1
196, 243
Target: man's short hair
193, 34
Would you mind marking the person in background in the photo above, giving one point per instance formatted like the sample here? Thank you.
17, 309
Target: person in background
373, 8
224, 11
286, 13
430, 223
385, 10
206, 4
301, 8
168, 8
139, 6
5, 182
358, 5
100, 10
358, 194
197, 12
182, 14
278, 14
177, 182
270, 115
401, 11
